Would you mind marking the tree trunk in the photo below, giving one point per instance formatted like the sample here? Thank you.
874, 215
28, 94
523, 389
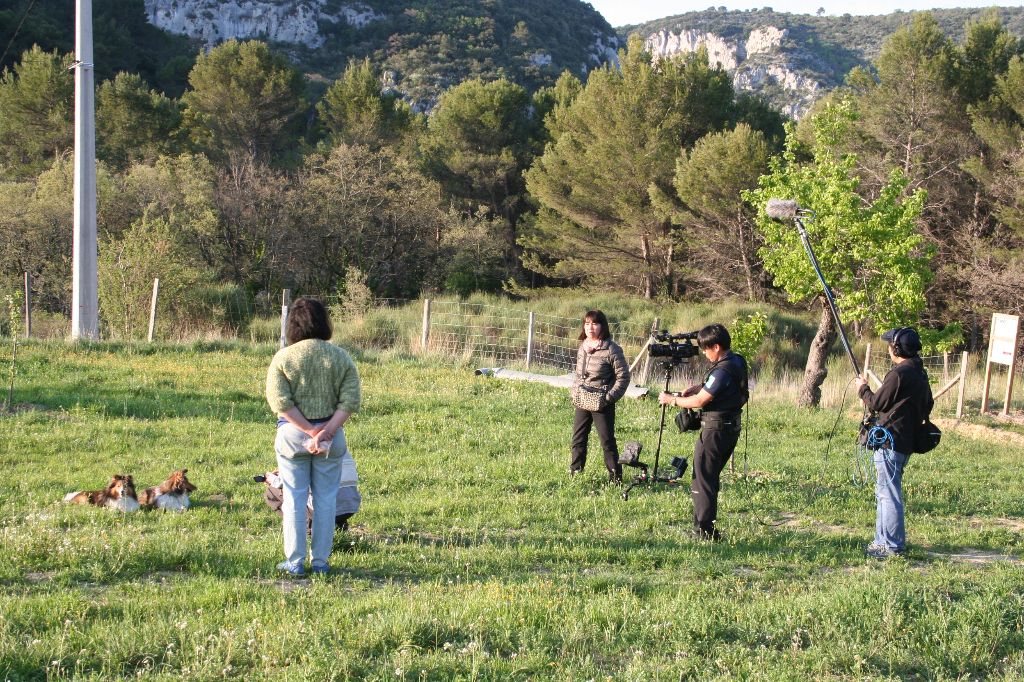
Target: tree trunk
748, 271
645, 252
670, 287
817, 358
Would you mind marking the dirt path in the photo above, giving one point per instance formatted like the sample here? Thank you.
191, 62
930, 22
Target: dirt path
980, 432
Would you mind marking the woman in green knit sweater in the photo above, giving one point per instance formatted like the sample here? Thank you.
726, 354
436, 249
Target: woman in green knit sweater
313, 387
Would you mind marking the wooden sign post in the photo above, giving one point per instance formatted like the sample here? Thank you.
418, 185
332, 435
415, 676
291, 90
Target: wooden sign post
1002, 349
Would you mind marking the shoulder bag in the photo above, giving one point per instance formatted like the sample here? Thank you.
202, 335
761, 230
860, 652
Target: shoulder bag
589, 398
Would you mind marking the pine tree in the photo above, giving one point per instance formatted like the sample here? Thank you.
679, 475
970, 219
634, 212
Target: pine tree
246, 104
355, 111
614, 143
35, 113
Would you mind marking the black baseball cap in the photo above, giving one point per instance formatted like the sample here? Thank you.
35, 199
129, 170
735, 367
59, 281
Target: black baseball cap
909, 341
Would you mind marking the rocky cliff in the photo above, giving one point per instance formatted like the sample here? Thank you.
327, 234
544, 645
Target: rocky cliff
213, 21
756, 63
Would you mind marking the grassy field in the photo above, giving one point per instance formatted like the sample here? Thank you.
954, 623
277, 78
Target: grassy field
475, 556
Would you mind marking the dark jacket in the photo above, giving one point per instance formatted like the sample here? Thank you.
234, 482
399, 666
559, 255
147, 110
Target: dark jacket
902, 402
604, 368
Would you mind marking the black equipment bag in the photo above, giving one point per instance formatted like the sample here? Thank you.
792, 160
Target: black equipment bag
688, 420
927, 437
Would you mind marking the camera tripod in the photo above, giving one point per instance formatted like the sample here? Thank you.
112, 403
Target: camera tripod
650, 476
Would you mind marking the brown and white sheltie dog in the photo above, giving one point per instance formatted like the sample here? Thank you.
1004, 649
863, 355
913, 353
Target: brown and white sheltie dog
119, 495
171, 495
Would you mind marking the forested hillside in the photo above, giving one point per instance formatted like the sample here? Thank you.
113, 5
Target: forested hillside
422, 46
813, 54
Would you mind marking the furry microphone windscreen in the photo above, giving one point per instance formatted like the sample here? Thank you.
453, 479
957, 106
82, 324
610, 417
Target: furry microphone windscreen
781, 209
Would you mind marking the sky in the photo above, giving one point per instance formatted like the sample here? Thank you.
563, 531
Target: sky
623, 12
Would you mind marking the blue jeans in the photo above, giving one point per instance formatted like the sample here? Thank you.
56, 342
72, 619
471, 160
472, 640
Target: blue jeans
303, 474
890, 531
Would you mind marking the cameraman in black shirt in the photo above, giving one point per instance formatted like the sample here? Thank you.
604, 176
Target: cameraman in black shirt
902, 403
721, 397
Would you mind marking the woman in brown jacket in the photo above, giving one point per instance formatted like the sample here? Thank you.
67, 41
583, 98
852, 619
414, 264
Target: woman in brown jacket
599, 363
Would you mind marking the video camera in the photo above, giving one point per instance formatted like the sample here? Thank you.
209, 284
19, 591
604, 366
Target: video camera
673, 349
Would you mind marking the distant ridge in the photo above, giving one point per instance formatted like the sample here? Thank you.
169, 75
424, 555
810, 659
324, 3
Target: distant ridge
813, 54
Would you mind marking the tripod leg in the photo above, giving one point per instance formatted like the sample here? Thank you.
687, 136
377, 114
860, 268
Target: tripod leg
661, 428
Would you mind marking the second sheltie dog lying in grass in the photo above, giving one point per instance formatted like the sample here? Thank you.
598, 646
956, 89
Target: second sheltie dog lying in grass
171, 495
119, 494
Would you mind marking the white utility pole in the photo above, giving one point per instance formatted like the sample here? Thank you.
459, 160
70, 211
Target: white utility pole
84, 294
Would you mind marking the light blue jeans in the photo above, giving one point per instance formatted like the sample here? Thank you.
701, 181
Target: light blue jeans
890, 531
303, 475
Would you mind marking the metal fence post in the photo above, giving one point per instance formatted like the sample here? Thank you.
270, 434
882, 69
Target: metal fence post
152, 309
286, 302
529, 342
425, 337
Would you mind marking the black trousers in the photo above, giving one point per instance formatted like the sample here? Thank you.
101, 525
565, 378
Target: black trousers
711, 452
605, 423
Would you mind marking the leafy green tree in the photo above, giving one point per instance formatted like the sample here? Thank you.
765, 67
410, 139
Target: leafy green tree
370, 209
246, 105
708, 181
133, 123
181, 190
914, 117
479, 140
870, 253
616, 145
35, 231
355, 111
127, 266
36, 112
911, 114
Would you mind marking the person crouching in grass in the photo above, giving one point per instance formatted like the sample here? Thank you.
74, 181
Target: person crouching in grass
313, 387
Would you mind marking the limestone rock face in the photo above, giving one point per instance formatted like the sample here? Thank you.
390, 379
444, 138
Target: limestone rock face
764, 39
604, 49
214, 21
728, 54
758, 64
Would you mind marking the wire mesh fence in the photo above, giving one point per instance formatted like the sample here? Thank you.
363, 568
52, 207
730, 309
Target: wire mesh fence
517, 338
514, 337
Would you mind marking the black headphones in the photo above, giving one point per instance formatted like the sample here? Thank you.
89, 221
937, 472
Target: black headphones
896, 347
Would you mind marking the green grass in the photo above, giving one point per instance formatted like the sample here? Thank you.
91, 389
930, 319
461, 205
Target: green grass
475, 556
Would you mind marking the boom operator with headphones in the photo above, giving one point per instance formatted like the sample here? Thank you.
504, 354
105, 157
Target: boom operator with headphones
896, 418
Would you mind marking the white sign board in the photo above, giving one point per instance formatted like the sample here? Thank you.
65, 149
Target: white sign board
1002, 342
1002, 350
